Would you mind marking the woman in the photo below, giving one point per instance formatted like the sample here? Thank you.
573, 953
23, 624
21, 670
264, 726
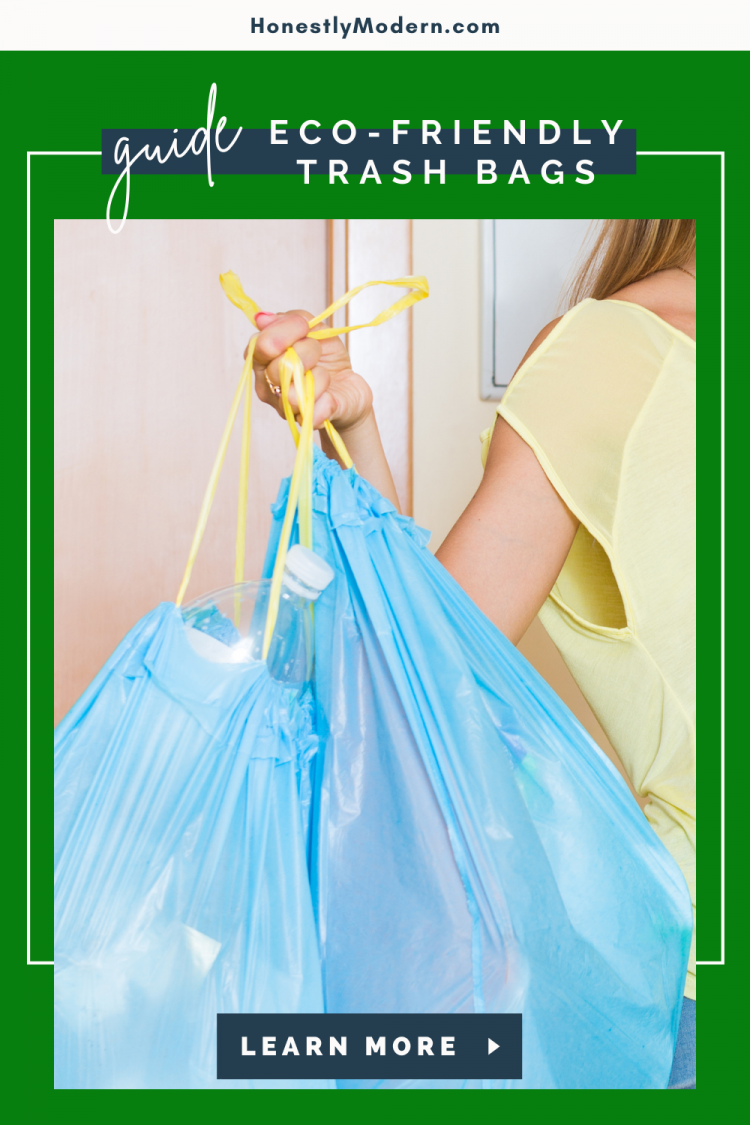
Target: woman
586, 507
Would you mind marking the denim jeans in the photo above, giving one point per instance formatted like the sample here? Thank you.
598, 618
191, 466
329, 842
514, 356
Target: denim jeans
683, 1066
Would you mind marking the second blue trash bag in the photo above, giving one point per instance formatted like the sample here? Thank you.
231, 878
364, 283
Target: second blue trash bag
471, 848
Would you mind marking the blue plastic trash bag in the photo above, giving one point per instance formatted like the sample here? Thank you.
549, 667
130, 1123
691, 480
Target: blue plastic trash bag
471, 848
181, 885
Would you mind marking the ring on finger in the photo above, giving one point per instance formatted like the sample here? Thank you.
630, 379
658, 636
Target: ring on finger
272, 386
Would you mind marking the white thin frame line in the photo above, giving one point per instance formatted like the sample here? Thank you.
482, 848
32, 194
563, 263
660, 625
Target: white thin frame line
719, 153
722, 582
29, 154
722, 586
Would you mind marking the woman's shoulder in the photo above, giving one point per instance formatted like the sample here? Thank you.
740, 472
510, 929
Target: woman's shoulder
595, 328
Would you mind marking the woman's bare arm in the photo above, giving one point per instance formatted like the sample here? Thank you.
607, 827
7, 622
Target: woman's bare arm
508, 547
365, 447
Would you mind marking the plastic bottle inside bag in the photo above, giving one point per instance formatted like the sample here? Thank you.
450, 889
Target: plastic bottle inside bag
306, 576
227, 626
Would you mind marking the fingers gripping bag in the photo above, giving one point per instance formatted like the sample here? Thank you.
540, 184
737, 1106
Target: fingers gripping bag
181, 795
472, 849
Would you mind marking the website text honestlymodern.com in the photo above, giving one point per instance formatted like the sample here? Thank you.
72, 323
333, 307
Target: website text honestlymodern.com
366, 25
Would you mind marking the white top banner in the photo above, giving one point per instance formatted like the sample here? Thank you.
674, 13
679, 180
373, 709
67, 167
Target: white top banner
357, 25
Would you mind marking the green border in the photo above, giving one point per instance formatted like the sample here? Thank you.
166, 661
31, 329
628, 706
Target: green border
68, 98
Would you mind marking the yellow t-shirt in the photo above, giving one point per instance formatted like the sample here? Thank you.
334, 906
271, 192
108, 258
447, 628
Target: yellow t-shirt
607, 403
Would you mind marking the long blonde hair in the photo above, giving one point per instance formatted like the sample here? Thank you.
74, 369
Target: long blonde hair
627, 250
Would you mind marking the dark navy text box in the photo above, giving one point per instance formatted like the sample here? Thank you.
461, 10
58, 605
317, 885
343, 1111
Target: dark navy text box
463, 1046
253, 153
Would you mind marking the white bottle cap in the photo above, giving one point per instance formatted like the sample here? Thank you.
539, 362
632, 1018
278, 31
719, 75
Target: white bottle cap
311, 570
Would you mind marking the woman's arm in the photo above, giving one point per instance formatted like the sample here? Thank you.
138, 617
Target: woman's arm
508, 547
365, 447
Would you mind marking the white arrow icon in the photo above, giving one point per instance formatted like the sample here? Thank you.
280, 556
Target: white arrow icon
491, 1046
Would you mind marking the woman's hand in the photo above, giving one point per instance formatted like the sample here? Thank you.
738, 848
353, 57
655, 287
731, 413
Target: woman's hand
341, 396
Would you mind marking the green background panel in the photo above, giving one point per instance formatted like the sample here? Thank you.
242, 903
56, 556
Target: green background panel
676, 101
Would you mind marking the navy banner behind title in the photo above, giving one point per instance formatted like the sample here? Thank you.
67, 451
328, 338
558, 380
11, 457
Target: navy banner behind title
179, 152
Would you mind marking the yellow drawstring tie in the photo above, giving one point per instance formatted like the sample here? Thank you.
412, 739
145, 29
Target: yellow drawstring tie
291, 370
